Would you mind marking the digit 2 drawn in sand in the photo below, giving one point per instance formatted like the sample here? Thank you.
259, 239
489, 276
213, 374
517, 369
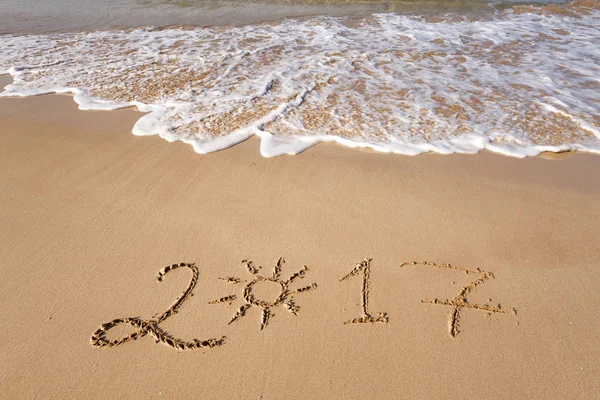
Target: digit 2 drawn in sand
365, 267
460, 301
151, 326
284, 297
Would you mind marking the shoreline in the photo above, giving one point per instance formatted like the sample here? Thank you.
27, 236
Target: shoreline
93, 213
269, 143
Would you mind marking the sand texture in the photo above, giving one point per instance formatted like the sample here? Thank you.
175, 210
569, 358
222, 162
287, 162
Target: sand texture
337, 273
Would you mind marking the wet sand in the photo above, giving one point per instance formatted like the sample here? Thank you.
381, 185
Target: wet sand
91, 213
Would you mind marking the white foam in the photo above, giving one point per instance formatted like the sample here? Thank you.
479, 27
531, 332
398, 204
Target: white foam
516, 85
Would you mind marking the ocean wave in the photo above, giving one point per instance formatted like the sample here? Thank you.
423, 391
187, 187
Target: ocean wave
524, 81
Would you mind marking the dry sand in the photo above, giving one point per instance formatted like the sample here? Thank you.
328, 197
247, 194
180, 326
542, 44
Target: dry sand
91, 213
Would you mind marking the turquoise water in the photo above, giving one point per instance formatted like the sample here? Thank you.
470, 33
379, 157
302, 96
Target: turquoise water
34, 16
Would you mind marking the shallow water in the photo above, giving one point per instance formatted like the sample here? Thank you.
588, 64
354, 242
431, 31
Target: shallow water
34, 16
515, 80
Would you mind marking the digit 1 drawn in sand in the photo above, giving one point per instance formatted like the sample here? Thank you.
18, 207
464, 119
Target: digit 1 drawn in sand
284, 297
460, 301
365, 267
151, 326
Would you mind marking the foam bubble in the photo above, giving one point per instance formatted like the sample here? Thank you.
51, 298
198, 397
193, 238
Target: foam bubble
523, 82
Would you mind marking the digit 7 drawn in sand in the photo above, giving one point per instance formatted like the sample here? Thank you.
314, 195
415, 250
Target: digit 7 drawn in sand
460, 301
365, 267
151, 326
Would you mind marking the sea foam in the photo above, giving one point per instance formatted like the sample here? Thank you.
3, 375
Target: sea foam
523, 82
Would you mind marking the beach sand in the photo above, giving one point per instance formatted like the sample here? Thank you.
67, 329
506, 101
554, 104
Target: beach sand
91, 213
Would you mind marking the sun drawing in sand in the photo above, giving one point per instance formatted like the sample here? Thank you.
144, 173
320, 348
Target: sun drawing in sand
284, 298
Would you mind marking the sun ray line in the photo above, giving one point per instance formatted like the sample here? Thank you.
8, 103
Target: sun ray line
231, 279
250, 267
226, 299
240, 313
300, 274
305, 288
291, 306
277, 269
266, 315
